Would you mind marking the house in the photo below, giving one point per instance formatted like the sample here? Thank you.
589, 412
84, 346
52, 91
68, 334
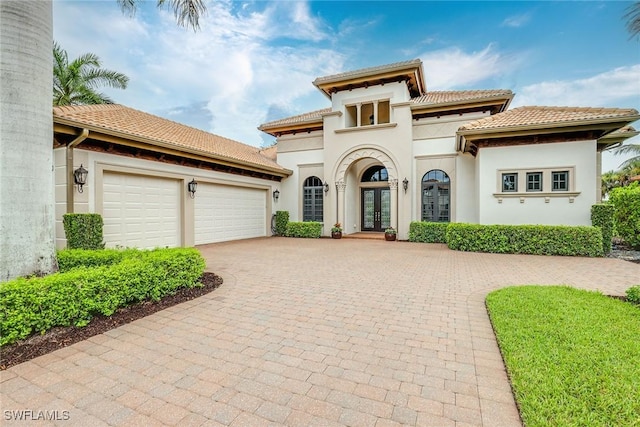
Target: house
139, 168
388, 151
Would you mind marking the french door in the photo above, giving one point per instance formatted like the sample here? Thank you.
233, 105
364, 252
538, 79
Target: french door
376, 209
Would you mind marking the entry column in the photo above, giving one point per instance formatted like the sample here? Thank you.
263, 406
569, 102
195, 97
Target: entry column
393, 193
340, 186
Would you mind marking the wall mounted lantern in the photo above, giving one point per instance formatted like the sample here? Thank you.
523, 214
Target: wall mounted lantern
80, 177
191, 187
276, 195
405, 184
326, 187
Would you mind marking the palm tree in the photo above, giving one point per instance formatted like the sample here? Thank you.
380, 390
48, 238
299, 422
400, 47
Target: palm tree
75, 83
27, 226
629, 149
633, 19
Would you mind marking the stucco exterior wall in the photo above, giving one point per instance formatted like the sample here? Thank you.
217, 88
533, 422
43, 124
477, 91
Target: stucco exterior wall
310, 161
532, 208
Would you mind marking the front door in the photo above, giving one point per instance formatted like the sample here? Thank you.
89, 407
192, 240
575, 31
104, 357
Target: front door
376, 209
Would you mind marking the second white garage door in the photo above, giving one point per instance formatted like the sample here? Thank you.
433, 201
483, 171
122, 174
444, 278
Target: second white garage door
141, 211
225, 212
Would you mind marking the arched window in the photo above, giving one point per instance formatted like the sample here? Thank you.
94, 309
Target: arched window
312, 199
435, 196
375, 174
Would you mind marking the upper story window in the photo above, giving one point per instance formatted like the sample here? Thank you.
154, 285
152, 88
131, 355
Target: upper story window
367, 114
375, 174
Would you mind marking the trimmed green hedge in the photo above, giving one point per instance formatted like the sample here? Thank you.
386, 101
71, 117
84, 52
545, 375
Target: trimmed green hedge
309, 229
73, 258
627, 216
526, 239
633, 294
602, 216
282, 219
83, 230
102, 285
428, 232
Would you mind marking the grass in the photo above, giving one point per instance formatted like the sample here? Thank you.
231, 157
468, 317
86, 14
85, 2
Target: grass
573, 356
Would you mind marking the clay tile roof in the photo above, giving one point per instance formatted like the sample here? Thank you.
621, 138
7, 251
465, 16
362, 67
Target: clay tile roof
545, 116
134, 123
367, 71
452, 96
312, 116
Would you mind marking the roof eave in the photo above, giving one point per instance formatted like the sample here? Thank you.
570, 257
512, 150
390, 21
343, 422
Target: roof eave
95, 131
476, 102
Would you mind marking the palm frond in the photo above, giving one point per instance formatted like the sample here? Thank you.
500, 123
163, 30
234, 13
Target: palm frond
628, 148
101, 77
186, 12
128, 7
633, 19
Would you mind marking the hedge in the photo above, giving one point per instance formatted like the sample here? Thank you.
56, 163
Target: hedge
83, 230
602, 216
29, 305
310, 229
282, 219
526, 239
627, 215
633, 294
73, 258
428, 232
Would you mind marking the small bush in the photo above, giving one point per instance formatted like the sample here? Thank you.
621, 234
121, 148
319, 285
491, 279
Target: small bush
29, 305
428, 232
282, 219
310, 229
526, 239
633, 294
602, 216
72, 258
83, 230
627, 214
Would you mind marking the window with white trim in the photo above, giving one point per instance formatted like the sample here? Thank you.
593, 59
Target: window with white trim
560, 181
538, 182
534, 181
312, 199
509, 182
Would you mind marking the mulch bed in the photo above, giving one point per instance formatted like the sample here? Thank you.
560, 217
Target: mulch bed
59, 337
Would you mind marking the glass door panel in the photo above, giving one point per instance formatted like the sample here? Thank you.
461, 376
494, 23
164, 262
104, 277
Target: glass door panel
368, 209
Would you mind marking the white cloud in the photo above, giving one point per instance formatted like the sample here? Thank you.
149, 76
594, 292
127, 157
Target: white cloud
516, 21
617, 87
454, 68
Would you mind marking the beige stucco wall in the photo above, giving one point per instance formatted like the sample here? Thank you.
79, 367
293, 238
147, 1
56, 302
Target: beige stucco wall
533, 208
98, 163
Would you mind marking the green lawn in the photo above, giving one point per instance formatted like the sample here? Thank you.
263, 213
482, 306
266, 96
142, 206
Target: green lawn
573, 356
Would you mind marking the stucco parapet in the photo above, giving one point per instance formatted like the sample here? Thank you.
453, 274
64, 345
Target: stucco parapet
367, 127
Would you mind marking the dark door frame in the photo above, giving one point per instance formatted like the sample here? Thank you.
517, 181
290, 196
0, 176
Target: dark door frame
377, 208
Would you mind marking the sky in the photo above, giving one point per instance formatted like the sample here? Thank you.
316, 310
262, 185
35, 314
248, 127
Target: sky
255, 61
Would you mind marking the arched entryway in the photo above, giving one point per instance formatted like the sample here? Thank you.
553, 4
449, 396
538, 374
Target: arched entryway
375, 199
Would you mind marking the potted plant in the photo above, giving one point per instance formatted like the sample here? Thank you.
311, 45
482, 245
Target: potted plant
336, 231
390, 234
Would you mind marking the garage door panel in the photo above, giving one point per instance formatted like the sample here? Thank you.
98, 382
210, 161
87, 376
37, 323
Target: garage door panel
141, 211
229, 213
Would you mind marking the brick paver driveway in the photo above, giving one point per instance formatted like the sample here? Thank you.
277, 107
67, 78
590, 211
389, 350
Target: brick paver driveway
308, 332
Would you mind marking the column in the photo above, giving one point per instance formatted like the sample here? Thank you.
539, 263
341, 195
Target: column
359, 114
340, 186
375, 112
393, 190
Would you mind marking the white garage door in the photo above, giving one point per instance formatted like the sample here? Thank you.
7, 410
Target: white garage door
229, 213
141, 211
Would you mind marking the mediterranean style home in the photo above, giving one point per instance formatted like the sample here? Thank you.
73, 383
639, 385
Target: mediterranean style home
385, 153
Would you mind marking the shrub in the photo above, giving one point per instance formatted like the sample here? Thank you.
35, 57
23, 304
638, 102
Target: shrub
526, 239
602, 216
83, 230
633, 294
73, 258
310, 229
627, 213
428, 232
29, 305
282, 219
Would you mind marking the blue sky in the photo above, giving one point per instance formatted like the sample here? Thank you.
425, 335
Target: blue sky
252, 62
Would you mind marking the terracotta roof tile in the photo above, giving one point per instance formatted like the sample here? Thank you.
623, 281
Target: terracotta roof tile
131, 122
534, 115
311, 116
367, 71
451, 96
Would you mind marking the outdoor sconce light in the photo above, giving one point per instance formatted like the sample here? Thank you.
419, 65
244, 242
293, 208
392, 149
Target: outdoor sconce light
276, 195
80, 177
405, 184
191, 187
326, 187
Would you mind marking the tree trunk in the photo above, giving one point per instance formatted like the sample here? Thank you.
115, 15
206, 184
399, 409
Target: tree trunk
27, 233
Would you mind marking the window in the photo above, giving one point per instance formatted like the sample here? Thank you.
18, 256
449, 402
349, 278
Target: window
367, 114
560, 181
313, 199
534, 181
375, 174
435, 196
509, 182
